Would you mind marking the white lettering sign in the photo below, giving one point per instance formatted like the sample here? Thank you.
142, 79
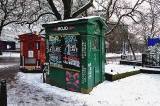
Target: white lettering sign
30, 53
62, 28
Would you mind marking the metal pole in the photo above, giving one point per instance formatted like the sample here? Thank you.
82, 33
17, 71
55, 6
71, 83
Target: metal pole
3, 93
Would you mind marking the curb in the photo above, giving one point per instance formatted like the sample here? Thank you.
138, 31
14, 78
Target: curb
110, 77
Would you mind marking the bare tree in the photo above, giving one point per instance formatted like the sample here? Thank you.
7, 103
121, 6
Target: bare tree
67, 12
153, 18
31, 12
36, 11
49, 10
11, 11
148, 26
118, 13
117, 10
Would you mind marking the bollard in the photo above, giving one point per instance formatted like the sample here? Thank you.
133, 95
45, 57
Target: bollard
3, 93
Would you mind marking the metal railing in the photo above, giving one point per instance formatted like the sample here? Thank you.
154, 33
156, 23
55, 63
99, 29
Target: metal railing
116, 60
130, 57
151, 59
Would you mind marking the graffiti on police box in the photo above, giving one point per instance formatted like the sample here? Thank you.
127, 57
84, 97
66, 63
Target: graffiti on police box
84, 75
55, 51
84, 49
71, 46
65, 51
72, 81
71, 57
71, 60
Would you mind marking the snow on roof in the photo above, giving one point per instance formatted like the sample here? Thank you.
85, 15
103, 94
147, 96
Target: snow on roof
73, 19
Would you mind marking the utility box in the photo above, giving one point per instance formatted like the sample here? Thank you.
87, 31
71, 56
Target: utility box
75, 52
32, 52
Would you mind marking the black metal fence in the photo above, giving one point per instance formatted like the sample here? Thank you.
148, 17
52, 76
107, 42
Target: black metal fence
3, 93
116, 60
151, 59
130, 57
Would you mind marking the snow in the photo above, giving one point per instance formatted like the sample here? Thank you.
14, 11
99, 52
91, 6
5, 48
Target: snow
7, 55
6, 66
114, 69
119, 55
10, 54
151, 69
154, 49
137, 90
113, 55
73, 19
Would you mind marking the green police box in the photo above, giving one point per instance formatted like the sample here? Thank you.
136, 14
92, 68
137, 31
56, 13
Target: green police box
75, 53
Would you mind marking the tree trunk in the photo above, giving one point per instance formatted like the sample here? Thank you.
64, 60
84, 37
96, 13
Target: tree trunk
67, 8
0, 31
0, 41
82, 9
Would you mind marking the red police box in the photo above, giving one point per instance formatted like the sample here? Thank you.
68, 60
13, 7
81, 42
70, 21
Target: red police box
32, 52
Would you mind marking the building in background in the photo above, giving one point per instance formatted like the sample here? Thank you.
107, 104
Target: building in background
8, 46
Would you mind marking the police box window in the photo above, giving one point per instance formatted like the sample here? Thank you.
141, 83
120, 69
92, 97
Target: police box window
38, 45
30, 54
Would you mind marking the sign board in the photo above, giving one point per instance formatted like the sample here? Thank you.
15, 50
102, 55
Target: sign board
63, 28
30, 54
153, 41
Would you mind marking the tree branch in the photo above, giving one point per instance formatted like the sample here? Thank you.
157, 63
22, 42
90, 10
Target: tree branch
26, 22
82, 9
54, 10
101, 5
113, 9
127, 14
108, 10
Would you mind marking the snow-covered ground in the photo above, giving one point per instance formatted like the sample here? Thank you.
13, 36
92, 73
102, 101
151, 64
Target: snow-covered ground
137, 90
10, 54
119, 55
113, 55
114, 69
151, 69
6, 66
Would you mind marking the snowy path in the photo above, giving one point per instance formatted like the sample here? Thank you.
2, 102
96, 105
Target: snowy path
137, 90
10, 54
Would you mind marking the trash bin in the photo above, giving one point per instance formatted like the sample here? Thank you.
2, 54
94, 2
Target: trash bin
76, 54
